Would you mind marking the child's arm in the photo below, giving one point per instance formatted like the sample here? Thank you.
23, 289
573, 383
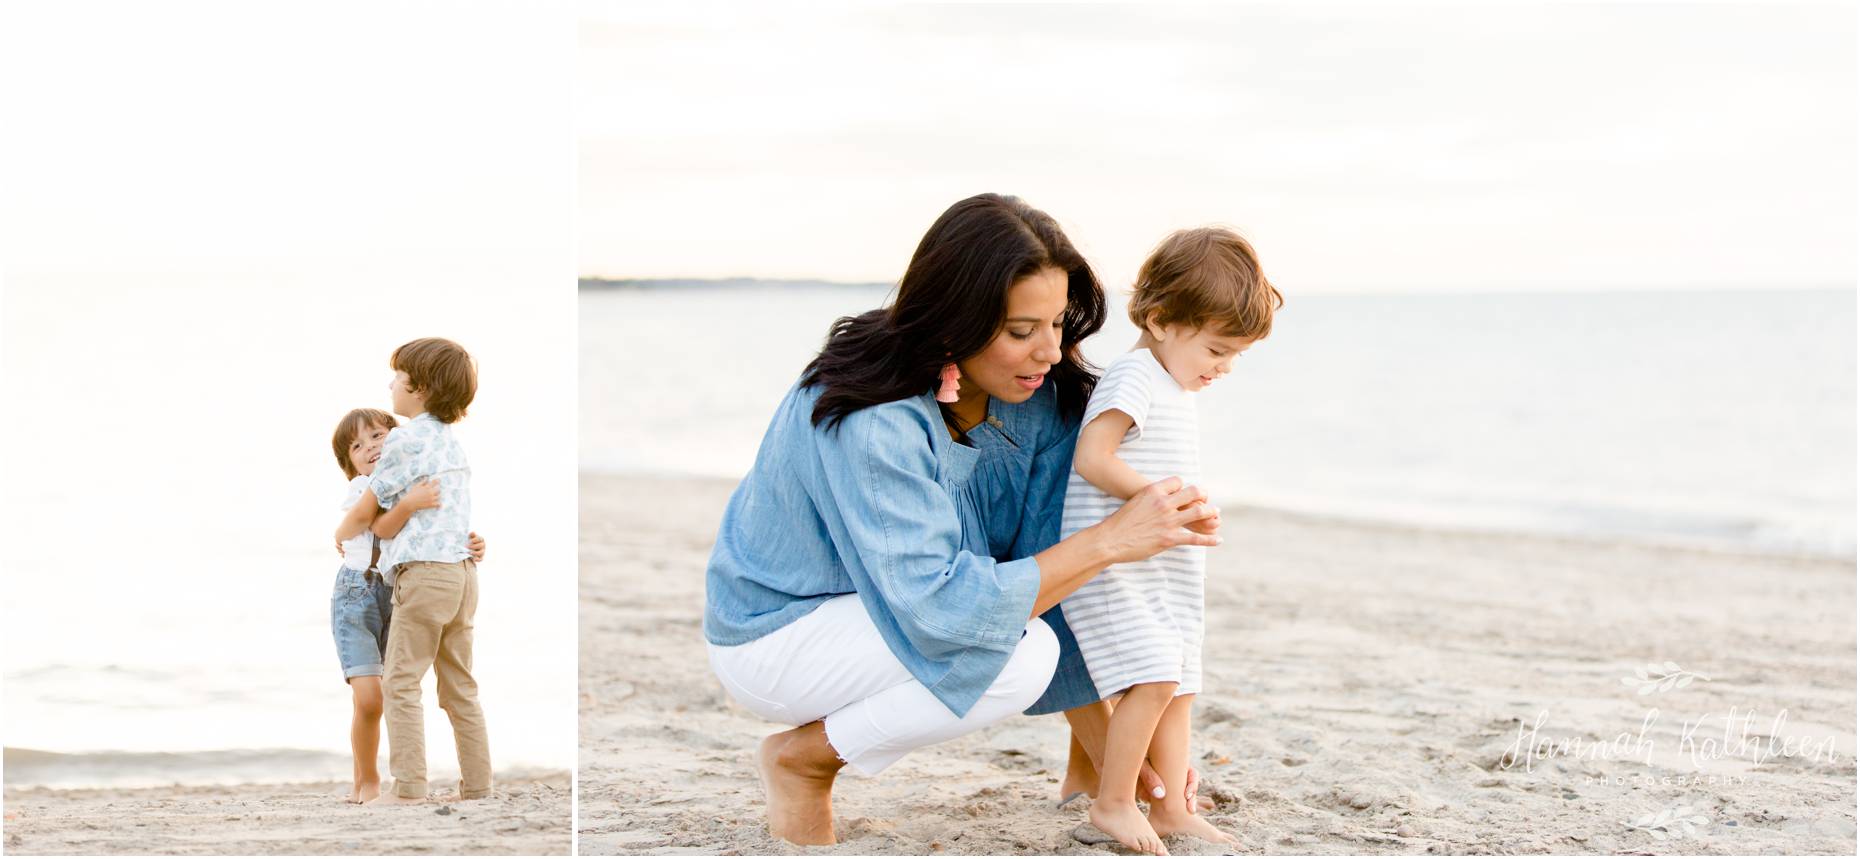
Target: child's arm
419, 496
1095, 457
357, 518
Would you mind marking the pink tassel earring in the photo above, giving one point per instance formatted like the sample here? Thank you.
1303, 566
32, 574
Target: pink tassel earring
947, 393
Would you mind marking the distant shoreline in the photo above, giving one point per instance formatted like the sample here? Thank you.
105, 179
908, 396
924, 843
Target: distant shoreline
608, 284
599, 284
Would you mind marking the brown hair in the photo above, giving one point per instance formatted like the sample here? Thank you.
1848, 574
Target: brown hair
442, 371
1205, 276
350, 428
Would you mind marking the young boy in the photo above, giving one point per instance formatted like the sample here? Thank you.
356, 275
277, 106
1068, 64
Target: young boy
1199, 302
428, 565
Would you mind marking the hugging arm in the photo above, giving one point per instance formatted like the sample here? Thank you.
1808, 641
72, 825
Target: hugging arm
419, 496
359, 517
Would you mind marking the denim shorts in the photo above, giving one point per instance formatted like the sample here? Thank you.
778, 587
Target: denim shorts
359, 610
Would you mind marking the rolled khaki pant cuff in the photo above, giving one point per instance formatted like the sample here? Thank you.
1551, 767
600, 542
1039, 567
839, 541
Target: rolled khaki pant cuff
409, 789
474, 794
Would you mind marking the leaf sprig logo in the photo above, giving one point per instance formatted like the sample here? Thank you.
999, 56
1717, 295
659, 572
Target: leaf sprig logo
1670, 823
1662, 677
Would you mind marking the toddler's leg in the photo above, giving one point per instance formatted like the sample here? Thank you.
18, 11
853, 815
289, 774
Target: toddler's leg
365, 737
1169, 754
1115, 809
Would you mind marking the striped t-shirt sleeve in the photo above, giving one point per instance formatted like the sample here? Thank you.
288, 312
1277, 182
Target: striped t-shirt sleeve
1124, 387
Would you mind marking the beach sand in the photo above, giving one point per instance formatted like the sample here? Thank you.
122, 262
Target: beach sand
523, 816
1366, 689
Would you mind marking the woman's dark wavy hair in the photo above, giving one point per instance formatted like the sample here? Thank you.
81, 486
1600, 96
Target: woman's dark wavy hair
950, 305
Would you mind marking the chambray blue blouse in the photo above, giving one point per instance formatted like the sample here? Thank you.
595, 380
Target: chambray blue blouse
936, 537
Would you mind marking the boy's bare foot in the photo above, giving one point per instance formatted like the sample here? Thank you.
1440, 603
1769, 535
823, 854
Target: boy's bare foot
366, 791
799, 784
1190, 824
394, 799
1122, 821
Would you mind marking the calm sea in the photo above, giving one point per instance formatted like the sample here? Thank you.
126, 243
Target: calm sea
1712, 418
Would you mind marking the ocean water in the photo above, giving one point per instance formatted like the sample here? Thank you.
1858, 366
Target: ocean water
169, 502
1721, 419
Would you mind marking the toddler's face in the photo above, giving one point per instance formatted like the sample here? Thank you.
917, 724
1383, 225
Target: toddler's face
365, 450
1196, 356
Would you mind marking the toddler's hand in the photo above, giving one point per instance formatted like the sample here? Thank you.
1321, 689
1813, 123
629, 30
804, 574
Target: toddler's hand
339, 550
424, 495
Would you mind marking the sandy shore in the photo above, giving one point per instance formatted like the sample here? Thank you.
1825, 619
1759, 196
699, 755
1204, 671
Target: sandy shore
523, 816
1367, 691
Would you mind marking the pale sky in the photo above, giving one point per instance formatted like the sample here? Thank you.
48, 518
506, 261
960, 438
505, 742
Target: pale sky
1540, 146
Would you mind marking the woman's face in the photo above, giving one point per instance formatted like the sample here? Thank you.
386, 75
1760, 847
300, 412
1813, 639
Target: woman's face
1013, 365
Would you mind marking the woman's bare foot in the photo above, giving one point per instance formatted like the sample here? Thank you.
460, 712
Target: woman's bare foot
797, 768
1168, 824
1081, 777
367, 791
1122, 821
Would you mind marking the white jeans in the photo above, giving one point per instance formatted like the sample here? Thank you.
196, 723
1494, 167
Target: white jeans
833, 665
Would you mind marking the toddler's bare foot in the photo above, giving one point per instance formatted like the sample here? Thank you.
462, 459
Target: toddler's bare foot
1122, 821
1168, 824
799, 785
366, 791
394, 799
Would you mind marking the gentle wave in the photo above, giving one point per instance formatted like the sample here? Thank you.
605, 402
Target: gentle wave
37, 768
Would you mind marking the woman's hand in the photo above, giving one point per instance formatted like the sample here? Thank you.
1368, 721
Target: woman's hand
1209, 526
424, 495
1148, 783
1165, 514
476, 547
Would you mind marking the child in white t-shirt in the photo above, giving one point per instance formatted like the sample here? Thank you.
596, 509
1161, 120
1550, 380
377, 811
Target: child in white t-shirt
1200, 301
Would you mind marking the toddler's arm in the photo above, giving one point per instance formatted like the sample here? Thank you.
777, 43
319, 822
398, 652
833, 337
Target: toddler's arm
419, 496
1095, 458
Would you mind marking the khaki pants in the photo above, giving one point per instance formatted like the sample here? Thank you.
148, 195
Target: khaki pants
433, 608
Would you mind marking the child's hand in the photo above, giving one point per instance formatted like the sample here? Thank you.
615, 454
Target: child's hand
476, 547
339, 550
424, 495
